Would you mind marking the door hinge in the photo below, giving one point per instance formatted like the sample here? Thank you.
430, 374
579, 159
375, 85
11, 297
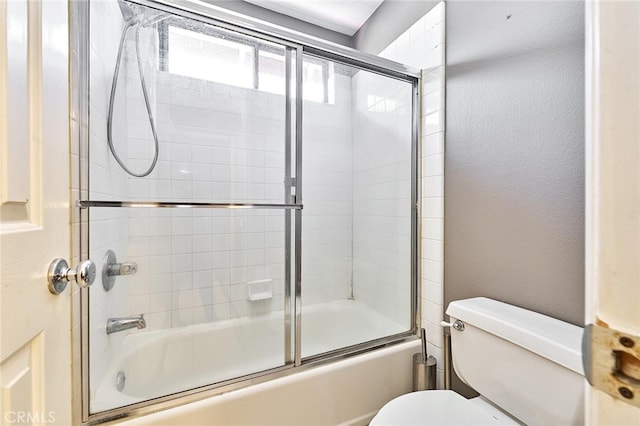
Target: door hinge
611, 361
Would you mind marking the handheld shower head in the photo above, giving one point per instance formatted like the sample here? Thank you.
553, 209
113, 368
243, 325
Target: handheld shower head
135, 14
136, 17
154, 17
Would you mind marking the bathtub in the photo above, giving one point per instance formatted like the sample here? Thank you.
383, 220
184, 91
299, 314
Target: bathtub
350, 391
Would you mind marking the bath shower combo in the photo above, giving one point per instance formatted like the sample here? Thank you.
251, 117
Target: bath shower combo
226, 292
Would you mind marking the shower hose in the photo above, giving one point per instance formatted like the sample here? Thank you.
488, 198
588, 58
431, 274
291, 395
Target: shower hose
114, 86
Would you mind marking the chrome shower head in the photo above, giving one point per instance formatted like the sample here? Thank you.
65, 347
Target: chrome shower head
135, 14
127, 11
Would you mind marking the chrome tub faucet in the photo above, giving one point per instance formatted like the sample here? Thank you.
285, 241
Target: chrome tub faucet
115, 325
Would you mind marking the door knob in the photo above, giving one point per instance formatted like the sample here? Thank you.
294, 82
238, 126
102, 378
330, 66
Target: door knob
60, 274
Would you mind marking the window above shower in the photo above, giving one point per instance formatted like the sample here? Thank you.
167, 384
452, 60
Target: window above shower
220, 56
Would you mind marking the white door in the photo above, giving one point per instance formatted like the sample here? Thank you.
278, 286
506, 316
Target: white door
613, 187
35, 345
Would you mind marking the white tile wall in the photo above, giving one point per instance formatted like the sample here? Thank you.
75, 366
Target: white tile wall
195, 264
108, 227
227, 164
423, 46
327, 166
218, 144
382, 195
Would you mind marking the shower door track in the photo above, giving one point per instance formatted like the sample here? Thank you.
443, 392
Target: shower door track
296, 45
224, 18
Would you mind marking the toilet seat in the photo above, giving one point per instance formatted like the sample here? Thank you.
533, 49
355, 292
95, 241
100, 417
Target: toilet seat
439, 407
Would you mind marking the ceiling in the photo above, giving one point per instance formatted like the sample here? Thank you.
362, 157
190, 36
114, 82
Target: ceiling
344, 16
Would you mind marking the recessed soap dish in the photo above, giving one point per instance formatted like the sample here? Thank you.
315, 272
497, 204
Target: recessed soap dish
259, 289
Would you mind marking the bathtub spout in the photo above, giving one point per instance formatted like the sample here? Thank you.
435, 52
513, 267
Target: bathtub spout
115, 325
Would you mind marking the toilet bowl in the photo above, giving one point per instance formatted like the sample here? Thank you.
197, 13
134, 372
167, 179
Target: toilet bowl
526, 366
440, 407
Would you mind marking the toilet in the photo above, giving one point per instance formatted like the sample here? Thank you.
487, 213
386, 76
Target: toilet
526, 366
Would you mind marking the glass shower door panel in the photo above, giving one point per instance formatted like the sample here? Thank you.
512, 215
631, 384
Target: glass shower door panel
206, 304
189, 128
357, 166
202, 120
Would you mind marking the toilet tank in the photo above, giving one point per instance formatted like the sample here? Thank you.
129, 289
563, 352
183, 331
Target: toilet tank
526, 363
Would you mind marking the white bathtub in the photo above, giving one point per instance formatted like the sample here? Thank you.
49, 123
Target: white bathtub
167, 361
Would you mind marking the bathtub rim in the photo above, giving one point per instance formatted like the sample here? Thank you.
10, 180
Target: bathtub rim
135, 343
186, 397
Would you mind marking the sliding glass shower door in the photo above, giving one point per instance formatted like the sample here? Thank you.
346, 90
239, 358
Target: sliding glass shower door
358, 206
191, 160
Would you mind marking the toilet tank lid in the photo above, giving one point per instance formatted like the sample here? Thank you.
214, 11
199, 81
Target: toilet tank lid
548, 337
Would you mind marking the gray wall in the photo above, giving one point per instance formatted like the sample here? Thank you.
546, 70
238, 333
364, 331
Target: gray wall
514, 162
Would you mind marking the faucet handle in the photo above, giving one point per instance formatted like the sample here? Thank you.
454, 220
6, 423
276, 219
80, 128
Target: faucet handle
112, 269
124, 268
